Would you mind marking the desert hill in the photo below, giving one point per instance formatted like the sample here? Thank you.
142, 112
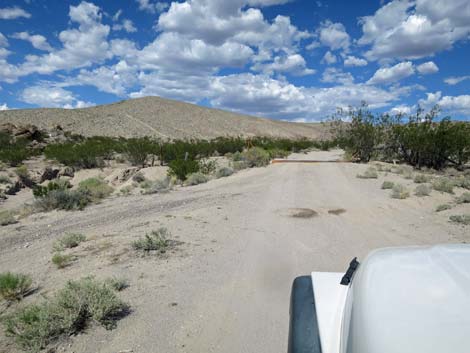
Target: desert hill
154, 116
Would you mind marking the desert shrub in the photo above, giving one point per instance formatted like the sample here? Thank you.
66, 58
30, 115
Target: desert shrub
399, 192
224, 172
443, 185
370, 173
240, 165
237, 156
61, 260
36, 326
138, 177
23, 174
443, 207
126, 190
95, 188
422, 190
14, 286
182, 168
387, 185
278, 153
138, 150
463, 182
460, 219
256, 157
7, 217
421, 178
117, 283
155, 240
42, 191
196, 178
62, 200
14, 152
4, 179
157, 186
464, 198
207, 166
68, 241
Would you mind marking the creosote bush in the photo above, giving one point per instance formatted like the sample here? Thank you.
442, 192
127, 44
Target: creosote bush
7, 217
95, 188
68, 241
14, 286
68, 312
399, 192
224, 172
443, 185
117, 283
422, 190
370, 173
155, 240
256, 157
157, 186
181, 168
62, 200
42, 191
386, 185
464, 198
443, 207
460, 219
196, 179
421, 178
61, 260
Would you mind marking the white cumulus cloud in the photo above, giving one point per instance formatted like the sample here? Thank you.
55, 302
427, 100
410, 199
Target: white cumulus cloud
392, 74
11, 13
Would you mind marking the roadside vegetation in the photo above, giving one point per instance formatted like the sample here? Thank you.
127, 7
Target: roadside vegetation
14, 286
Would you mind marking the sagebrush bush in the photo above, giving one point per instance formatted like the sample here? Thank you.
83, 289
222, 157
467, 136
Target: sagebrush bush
117, 283
68, 241
182, 168
7, 217
155, 240
196, 178
4, 179
256, 157
443, 185
36, 326
62, 200
240, 165
95, 188
14, 286
399, 192
224, 172
463, 182
464, 198
460, 219
61, 260
387, 185
421, 178
207, 166
422, 190
443, 207
157, 186
370, 173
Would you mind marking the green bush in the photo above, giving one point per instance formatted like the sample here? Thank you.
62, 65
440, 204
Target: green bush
42, 191
224, 172
4, 179
157, 186
443, 185
62, 200
13, 152
181, 168
138, 150
117, 283
156, 240
422, 190
196, 178
68, 241
460, 219
207, 166
7, 217
421, 178
95, 188
62, 261
387, 185
464, 198
399, 192
443, 207
463, 182
14, 286
36, 326
240, 165
278, 153
370, 173
256, 157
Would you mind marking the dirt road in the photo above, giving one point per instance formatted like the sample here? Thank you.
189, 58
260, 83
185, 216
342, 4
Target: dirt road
226, 287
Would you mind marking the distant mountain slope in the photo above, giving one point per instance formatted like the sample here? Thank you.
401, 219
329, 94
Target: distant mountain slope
158, 117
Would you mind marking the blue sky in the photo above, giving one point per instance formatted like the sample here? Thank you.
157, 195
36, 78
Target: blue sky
296, 60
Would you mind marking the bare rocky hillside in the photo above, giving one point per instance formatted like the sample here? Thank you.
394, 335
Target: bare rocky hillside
159, 117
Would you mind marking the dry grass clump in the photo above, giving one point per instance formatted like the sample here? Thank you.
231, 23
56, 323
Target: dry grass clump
386, 185
155, 240
224, 172
463, 182
62, 200
370, 173
422, 190
460, 219
7, 217
443, 207
399, 192
95, 188
61, 260
14, 286
68, 241
443, 185
157, 186
117, 283
196, 178
464, 198
70, 311
421, 178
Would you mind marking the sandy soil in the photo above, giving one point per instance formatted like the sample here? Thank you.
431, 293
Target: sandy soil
226, 286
